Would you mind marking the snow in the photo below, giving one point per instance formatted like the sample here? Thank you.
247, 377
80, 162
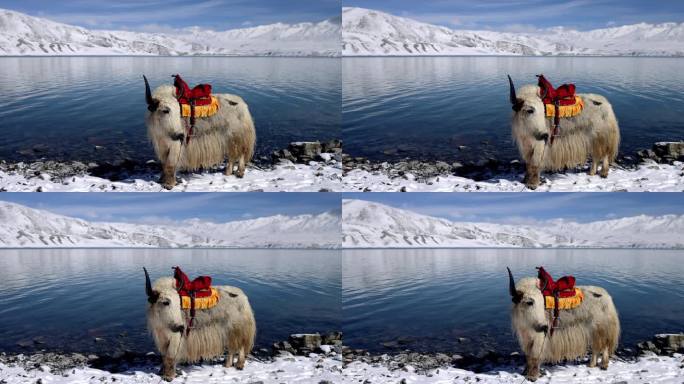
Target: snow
648, 369
367, 32
368, 225
284, 177
295, 369
314, 370
21, 226
21, 34
647, 177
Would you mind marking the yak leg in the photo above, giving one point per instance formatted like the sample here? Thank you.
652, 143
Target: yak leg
605, 359
594, 356
241, 359
533, 369
594, 165
241, 167
229, 359
605, 167
169, 360
533, 164
168, 178
229, 167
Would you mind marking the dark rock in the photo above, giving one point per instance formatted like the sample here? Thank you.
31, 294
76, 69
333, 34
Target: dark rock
305, 151
305, 342
670, 150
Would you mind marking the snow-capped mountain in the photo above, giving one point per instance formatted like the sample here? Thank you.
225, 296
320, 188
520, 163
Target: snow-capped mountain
369, 225
367, 32
21, 34
21, 226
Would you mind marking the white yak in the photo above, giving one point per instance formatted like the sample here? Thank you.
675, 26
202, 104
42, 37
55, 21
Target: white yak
228, 134
593, 132
228, 327
594, 325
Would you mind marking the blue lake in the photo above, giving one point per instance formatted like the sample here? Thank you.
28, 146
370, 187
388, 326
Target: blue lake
425, 108
60, 108
63, 299
427, 299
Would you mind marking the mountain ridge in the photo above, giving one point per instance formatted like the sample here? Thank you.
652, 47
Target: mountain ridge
22, 226
22, 34
367, 32
373, 225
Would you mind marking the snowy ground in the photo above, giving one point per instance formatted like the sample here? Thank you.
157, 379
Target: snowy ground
651, 369
287, 176
296, 369
315, 370
648, 176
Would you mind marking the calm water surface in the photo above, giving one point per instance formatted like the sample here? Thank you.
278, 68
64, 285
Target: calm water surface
64, 299
60, 108
427, 299
425, 108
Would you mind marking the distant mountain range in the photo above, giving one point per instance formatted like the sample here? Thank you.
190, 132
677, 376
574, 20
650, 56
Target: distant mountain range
21, 226
372, 225
366, 32
21, 34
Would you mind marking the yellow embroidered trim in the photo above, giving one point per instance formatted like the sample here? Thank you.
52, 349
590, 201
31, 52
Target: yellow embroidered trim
201, 110
201, 302
566, 110
566, 302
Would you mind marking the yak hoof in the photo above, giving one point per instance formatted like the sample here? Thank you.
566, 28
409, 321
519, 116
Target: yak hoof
532, 186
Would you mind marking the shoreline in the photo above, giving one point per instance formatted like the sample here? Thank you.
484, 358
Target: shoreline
321, 358
302, 166
660, 168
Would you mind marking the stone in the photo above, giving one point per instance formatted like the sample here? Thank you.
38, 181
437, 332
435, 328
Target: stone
305, 151
670, 342
673, 150
304, 342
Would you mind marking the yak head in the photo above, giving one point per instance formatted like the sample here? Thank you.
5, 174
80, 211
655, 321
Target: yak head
164, 302
528, 108
528, 302
162, 106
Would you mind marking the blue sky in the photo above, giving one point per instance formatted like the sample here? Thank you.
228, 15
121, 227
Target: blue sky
165, 208
528, 208
166, 15
527, 15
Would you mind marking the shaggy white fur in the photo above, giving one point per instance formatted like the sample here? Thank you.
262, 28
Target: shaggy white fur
229, 327
593, 133
229, 134
593, 325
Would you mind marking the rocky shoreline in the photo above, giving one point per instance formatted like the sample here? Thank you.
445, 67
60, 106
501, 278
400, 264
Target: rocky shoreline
325, 344
488, 358
296, 152
330, 345
489, 166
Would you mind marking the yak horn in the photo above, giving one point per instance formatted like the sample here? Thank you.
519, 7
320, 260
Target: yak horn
152, 104
148, 92
152, 295
514, 98
511, 287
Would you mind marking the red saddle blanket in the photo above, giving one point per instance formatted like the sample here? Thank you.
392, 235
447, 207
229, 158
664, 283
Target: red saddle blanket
200, 95
565, 286
200, 287
565, 94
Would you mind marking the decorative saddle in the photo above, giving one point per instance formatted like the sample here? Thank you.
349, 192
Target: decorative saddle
558, 295
195, 102
559, 102
195, 294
